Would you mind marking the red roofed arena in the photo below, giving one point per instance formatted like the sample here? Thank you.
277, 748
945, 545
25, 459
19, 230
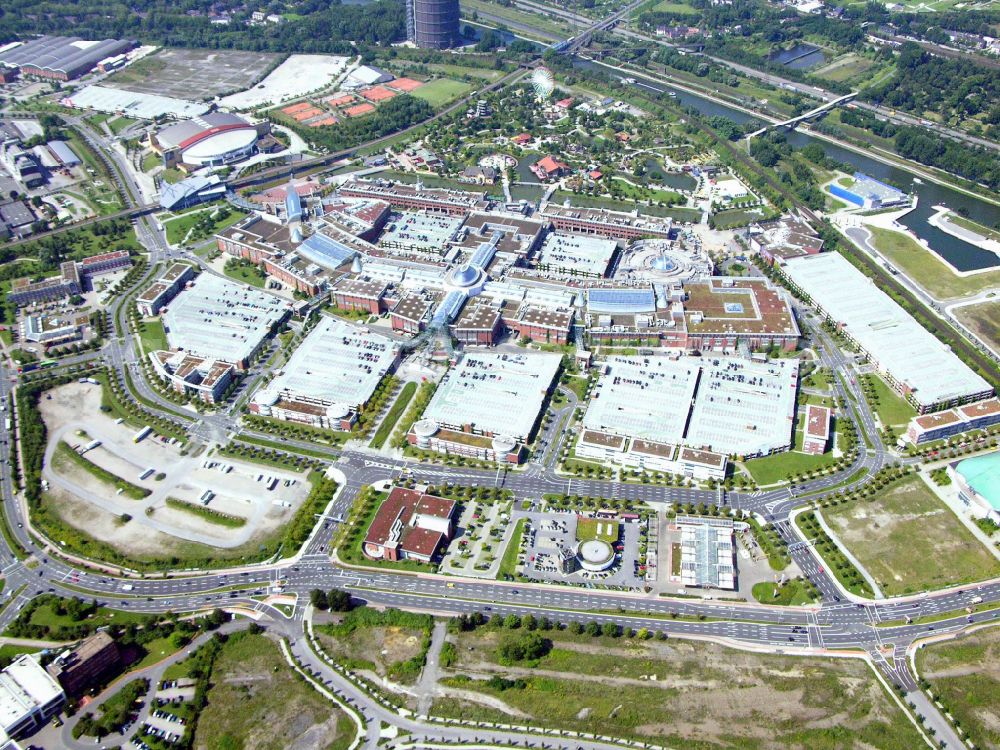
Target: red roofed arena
211, 140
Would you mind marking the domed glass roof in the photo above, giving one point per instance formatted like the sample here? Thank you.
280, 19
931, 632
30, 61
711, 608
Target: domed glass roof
463, 276
663, 263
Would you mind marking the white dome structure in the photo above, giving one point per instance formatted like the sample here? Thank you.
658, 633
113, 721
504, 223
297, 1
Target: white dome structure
335, 412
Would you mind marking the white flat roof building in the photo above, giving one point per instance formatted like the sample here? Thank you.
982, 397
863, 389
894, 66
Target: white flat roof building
29, 696
337, 363
744, 407
911, 358
576, 254
494, 393
420, 232
644, 397
727, 405
218, 319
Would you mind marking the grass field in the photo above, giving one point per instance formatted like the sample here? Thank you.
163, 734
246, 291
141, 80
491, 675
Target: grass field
779, 466
245, 272
152, 336
966, 673
203, 223
972, 226
508, 563
984, 319
844, 68
441, 91
597, 528
392, 416
256, 701
892, 409
698, 691
909, 541
791, 593
925, 268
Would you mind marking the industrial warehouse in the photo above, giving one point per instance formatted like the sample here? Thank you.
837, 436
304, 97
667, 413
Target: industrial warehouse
61, 58
330, 377
922, 369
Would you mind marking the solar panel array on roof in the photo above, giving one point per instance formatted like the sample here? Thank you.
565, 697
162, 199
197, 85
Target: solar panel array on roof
621, 300
326, 251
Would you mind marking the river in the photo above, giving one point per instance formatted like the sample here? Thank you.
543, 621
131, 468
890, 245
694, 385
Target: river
960, 254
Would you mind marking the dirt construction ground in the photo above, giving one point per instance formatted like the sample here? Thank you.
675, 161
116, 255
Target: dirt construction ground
92, 504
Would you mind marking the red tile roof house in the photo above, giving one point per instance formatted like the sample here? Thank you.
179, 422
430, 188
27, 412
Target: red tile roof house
410, 525
549, 168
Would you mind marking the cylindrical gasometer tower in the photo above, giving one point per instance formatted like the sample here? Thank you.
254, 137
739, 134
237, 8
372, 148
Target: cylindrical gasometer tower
433, 24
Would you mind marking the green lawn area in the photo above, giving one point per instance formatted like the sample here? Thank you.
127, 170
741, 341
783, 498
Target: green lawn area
119, 124
892, 409
964, 673
984, 320
201, 223
909, 541
668, 6
461, 70
926, 269
508, 563
596, 528
578, 385
152, 335
151, 161
972, 226
779, 466
792, 592
604, 685
257, 701
441, 91
245, 272
393, 415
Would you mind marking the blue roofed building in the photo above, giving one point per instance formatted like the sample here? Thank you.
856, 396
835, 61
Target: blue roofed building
868, 193
63, 153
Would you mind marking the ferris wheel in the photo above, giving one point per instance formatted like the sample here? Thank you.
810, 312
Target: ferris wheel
543, 83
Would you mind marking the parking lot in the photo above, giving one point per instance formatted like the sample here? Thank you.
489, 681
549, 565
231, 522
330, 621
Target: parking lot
545, 532
193, 74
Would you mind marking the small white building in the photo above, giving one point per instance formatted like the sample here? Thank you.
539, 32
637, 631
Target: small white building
29, 696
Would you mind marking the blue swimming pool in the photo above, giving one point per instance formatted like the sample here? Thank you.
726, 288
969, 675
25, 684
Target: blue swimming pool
982, 473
